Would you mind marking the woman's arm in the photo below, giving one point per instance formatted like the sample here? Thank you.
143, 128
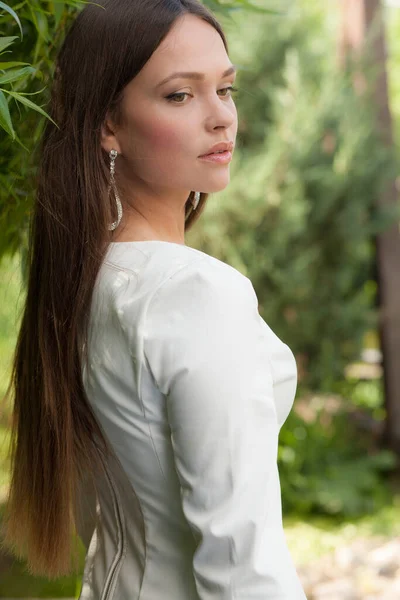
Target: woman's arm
204, 345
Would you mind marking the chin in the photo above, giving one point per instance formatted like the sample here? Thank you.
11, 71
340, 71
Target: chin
214, 187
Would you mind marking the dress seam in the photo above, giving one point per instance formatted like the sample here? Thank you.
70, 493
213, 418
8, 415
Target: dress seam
143, 356
120, 269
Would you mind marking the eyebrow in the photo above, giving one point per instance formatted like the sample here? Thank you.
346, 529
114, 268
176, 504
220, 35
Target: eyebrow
194, 75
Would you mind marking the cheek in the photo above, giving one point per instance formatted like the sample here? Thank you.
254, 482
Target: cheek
162, 134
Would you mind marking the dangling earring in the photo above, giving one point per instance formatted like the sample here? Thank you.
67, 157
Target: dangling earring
195, 200
113, 155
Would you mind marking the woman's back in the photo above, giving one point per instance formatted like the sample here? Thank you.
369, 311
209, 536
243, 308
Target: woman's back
190, 387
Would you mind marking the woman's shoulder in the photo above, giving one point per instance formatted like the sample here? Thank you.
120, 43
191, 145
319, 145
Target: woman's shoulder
135, 274
152, 263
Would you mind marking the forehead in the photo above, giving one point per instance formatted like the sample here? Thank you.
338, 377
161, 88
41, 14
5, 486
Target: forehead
191, 44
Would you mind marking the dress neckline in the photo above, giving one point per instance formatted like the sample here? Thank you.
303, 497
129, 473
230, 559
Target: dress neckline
147, 242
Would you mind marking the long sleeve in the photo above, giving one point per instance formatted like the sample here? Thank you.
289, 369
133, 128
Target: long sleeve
204, 345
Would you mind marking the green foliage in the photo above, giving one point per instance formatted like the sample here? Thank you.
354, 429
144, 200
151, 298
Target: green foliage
34, 33
12, 75
226, 7
17, 583
12, 297
328, 467
392, 21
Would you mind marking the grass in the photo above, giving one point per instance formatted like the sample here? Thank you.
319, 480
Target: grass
309, 539
17, 583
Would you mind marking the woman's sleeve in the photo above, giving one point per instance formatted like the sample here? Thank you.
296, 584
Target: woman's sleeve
203, 343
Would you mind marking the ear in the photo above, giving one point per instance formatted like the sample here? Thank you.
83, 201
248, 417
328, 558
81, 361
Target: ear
108, 136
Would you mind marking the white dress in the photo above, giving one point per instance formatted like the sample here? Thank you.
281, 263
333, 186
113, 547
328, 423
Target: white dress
191, 387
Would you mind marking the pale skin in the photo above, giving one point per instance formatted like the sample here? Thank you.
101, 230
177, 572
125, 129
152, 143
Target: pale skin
160, 140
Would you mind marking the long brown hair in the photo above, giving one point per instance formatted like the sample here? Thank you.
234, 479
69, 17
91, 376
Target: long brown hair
55, 436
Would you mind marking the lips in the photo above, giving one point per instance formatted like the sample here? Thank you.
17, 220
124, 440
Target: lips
220, 147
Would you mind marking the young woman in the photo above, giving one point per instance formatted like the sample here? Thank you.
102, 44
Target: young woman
149, 392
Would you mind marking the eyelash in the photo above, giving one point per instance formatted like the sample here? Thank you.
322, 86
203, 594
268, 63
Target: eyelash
171, 97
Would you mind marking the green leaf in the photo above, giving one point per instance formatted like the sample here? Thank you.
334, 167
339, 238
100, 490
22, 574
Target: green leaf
15, 74
8, 65
40, 23
17, 139
29, 93
43, 25
7, 41
30, 104
252, 7
13, 14
58, 12
5, 118
226, 7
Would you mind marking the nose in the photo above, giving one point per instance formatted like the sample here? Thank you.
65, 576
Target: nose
221, 114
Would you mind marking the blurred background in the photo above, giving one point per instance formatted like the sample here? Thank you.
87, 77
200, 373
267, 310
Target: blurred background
311, 216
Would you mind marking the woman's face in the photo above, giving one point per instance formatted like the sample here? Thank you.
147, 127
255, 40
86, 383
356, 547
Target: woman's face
161, 136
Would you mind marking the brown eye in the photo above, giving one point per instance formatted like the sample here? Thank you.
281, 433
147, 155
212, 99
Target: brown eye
231, 89
171, 97
175, 98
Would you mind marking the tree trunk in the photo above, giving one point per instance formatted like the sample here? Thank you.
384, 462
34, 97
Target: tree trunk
362, 20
